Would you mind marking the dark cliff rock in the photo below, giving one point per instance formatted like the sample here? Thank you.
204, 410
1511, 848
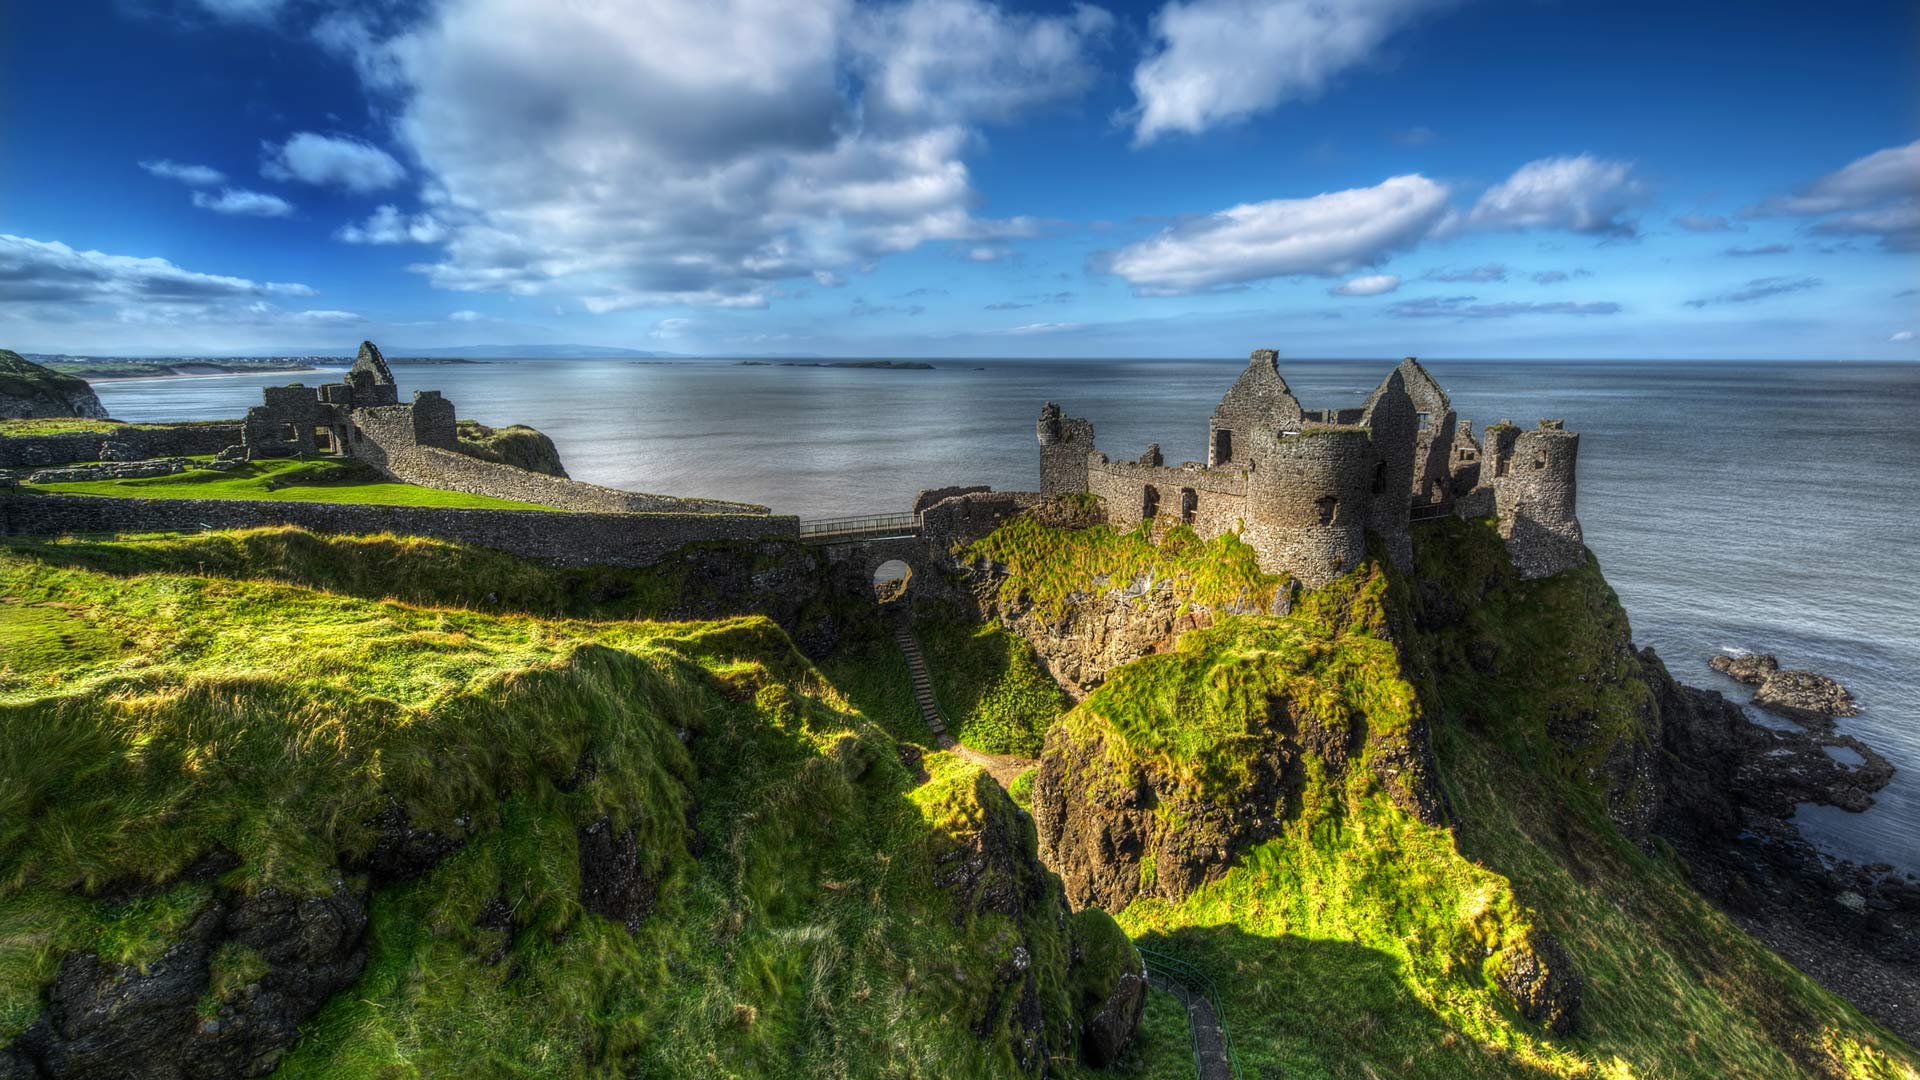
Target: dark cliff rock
171, 1021
1113, 837
612, 881
1729, 789
1540, 977
30, 391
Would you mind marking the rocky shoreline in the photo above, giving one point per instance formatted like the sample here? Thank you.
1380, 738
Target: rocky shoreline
1732, 788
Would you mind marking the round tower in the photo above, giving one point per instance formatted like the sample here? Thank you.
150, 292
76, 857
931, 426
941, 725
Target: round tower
1536, 501
1308, 498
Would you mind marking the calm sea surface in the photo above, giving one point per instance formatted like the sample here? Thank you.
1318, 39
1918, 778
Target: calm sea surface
1741, 506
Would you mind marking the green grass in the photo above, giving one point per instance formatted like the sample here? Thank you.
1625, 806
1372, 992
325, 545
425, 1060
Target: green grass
802, 927
63, 425
992, 691
290, 480
1359, 942
1053, 567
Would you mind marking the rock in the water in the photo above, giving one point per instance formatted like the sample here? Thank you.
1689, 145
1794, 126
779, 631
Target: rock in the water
29, 391
1804, 695
1752, 668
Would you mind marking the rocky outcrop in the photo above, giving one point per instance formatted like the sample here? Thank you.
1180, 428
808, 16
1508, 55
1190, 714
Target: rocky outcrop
518, 445
1729, 790
29, 391
1801, 695
613, 884
1114, 837
1102, 632
1106, 1035
1538, 974
175, 1019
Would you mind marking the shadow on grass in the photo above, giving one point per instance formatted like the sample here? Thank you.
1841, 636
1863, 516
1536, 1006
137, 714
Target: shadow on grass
1305, 1008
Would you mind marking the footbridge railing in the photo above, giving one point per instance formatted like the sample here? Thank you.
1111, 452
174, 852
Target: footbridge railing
865, 527
1213, 1057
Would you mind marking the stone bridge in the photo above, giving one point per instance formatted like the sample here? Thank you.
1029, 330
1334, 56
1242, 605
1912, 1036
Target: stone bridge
921, 538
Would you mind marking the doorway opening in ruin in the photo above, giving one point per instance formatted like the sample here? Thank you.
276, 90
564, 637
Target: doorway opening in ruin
325, 443
1222, 446
289, 433
1379, 478
1149, 503
890, 581
1189, 505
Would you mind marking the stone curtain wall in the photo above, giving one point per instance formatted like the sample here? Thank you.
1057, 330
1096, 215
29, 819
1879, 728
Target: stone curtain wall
557, 538
182, 440
388, 442
1219, 494
959, 520
1396, 433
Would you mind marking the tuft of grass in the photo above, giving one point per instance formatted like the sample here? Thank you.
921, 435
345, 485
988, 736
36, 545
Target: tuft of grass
993, 692
1052, 568
803, 925
286, 480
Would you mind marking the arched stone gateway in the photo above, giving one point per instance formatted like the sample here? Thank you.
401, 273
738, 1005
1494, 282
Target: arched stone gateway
891, 580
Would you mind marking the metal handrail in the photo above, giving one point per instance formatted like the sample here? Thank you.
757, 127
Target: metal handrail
865, 523
1193, 980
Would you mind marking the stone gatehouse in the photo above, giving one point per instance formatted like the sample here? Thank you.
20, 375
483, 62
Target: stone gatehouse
1305, 486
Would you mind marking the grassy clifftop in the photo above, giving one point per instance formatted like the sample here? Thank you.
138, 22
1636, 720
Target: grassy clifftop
1395, 824
578, 847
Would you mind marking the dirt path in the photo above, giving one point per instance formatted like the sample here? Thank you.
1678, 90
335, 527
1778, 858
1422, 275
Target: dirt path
1002, 767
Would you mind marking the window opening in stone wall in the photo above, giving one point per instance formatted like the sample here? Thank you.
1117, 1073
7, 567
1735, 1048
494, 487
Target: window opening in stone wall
1222, 446
1539, 463
289, 433
1379, 478
1326, 505
1149, 503
1189, 505
1424, 417
323, 442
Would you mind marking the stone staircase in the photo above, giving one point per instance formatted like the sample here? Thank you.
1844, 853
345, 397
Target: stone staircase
917, 670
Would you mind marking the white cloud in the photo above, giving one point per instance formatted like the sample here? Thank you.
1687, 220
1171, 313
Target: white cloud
1877, 195
956, 60
242, 202
465, 316
827, 279
625, 154
247, 11
1901, 336
1707, 223
387, 225
1214, 62
1039, 328
311, 158
1331, 234
1581, 194
45, 283
1367, 285
327, 317
190, 175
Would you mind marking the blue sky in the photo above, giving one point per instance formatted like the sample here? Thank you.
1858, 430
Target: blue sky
960, 177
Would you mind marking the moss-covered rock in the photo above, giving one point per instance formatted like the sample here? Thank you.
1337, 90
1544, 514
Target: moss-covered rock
516, 445
30, 391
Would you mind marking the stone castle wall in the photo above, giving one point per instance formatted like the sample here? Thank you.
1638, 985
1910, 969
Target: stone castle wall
180, 440
1219, 496
551, 537
1065, 443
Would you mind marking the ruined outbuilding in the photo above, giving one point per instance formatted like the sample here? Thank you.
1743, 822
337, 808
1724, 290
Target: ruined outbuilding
1304, 487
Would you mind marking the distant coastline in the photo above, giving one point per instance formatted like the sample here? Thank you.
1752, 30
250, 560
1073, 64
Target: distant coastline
117, 369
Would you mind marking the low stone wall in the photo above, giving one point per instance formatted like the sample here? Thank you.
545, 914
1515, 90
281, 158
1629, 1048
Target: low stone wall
176, 440
561, 539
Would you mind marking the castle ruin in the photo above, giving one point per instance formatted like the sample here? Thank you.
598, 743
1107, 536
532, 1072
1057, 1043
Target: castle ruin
419, 443
1304, 487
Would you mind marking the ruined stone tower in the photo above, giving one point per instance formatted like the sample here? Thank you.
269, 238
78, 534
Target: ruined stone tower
1305, 487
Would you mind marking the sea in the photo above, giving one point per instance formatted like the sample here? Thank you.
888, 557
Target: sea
1734, 506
